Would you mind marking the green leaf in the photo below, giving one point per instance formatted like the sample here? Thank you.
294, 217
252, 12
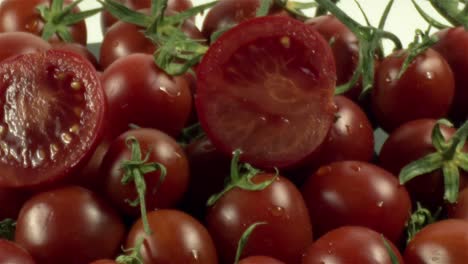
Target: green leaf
182, 16
126, 14
74, 18
428, 18
438, 140
418, 220
56, 6
264, 8
244, 239
451, 181
422, 166
462, 161
215, 35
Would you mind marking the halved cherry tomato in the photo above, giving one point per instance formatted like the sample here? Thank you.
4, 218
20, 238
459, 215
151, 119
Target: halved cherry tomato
266, 87
50, 123
78, 49
13, 253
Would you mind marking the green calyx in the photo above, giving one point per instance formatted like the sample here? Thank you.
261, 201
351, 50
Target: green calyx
7, 229
449, 157
418, 220
241, 177
369, 44
391, 252
134, 171
454, 11
244, 239
134, 255
176, 52
58, 18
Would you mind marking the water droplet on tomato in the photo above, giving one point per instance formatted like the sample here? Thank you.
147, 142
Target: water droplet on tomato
31, 26
277, 211
195, 254
356, 167
284, 120
324, 170
380, 204
361, 125
115, 44
429, 75
388, 79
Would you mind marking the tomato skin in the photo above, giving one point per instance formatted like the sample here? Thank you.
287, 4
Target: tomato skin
350, 244
260, 260
11, 201
139, 92
356, 193
441, 242
425, 90
104, 261
451, 46
78, 49
459, 209
11, 252
164, 150
23, 16
49, 220
410, 142
285, 236
177, 238
16, 43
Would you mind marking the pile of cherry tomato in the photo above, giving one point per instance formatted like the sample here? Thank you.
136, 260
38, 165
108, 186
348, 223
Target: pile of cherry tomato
249, 140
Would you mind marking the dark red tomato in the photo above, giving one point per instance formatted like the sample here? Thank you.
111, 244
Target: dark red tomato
357, 193
123, 39
451, 46
107, 20
78, 49
228, 13
442, 242
12, 253
425, 90
266, 87
16, 43
351, 244
208, 170
139, 92
164, 150
11, 201
50, 123
411, 142
69, 225
345, 47
285, 236
260, 260
104, 261
23, 16
177, 238
460, 208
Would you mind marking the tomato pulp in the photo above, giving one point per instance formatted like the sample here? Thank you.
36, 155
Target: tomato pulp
266, 87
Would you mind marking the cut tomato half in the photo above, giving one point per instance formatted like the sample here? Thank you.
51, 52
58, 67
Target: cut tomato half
266, 87
51, 116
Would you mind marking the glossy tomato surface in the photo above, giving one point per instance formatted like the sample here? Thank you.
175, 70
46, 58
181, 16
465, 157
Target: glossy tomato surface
140, 93
177, 238
260, 260
285, 235
23, 16
356, 193
442, 242
161, 149
69, 221
52, 116
16, 43
425, 90
460, 208
266, 87
12, 253
351, 244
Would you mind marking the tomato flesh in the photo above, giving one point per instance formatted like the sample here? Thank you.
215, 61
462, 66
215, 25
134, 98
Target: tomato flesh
52, 113
266, 87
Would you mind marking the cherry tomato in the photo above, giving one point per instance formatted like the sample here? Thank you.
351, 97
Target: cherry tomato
260, 260
70, 221
11, 201
123, 39
408, 143
460, 208
425, 90
285, 235
78, 49
357, 193
442, 242
104, 261
258, 91
161, 149
139, 92
451, 46
16, 43
176, 238
351, 244
51, 123
12, 253
23, 16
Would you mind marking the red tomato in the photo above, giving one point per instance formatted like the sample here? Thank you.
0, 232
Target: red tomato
460, 208
164, 150
425, 90
52, 122
442, 242
285, 235
408, 143
78, 49
69, 225
176, 238
266, 87
260, 260
16, 43
104, 261
12, 253
451, 45
351, 244
23, 16
11, 201
139, 92
357, 193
